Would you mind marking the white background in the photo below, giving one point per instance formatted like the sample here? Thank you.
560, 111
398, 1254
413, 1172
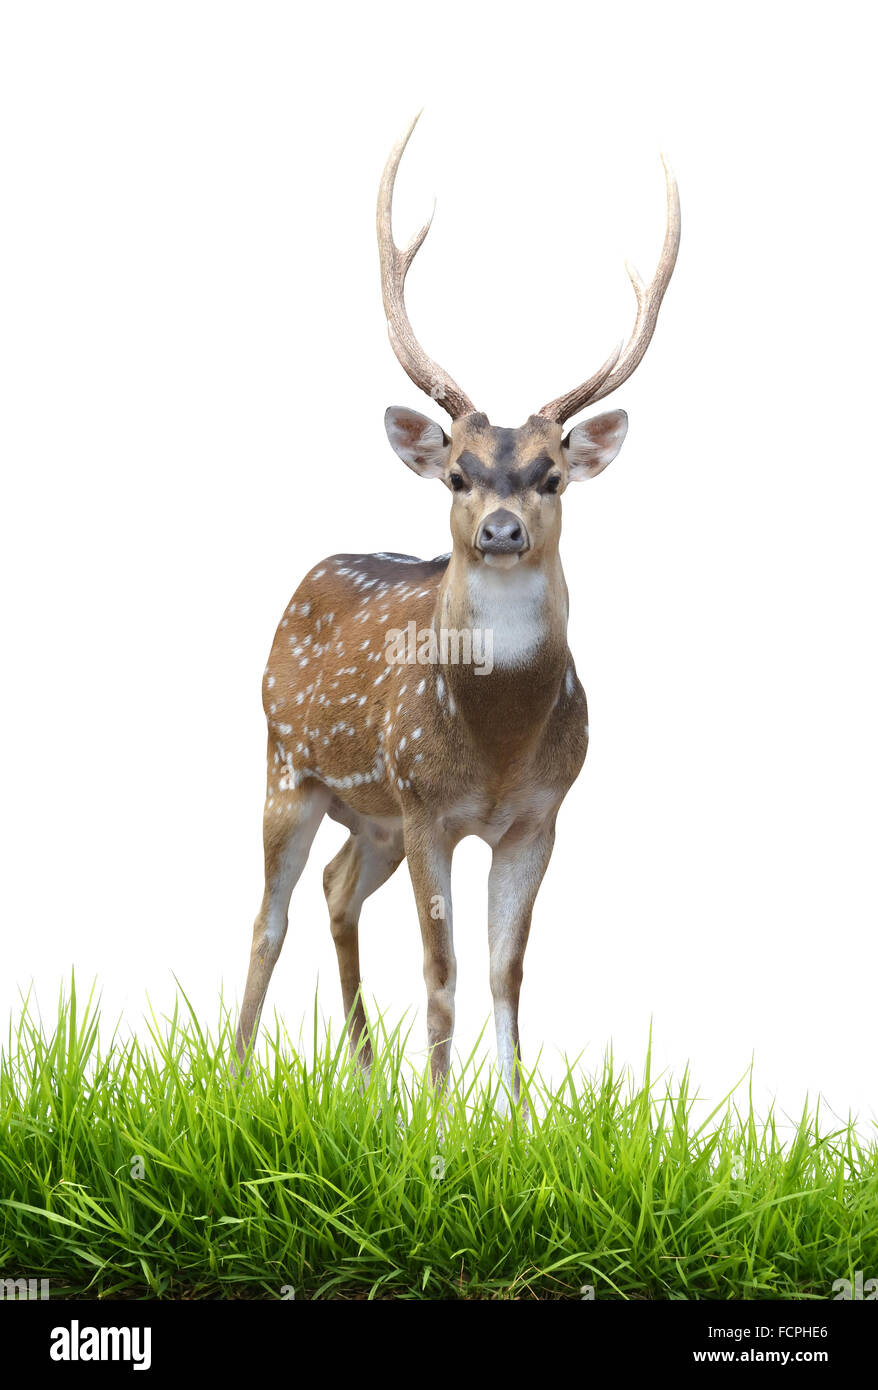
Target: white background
194, 374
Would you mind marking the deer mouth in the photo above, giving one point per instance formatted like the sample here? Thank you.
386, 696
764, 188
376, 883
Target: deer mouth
506, 561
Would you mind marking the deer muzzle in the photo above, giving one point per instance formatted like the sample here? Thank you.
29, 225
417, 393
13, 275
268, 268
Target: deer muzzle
502, 533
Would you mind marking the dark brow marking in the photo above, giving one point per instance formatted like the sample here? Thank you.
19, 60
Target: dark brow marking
536, 470
503, 479
475, 469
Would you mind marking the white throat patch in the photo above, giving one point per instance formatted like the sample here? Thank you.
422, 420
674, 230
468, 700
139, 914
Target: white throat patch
512, 605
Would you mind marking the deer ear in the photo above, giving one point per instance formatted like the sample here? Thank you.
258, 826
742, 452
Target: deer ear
589, 447
420, 442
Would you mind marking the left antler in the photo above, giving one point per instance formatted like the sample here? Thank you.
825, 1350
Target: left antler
619, 366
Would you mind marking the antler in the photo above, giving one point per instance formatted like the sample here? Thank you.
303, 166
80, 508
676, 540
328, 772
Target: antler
621, 363
424, 372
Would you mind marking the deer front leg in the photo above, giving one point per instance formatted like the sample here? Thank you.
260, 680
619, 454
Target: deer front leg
429, 858
516, 874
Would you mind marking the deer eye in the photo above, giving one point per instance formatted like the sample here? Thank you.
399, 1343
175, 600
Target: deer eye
552, 484
457, 482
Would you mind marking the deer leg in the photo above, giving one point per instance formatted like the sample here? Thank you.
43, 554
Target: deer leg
429, 858
289, 827
517, 871
348, 880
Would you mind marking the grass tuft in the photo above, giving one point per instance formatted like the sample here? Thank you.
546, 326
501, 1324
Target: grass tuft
148, 1170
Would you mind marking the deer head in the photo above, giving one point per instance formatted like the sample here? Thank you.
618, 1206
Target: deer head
506, 484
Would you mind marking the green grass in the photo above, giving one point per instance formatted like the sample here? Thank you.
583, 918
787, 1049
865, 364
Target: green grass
297, 1176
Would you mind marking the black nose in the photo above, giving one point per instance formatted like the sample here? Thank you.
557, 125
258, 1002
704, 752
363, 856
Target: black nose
502, 533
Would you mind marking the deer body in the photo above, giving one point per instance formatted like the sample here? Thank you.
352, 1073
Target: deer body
420, 701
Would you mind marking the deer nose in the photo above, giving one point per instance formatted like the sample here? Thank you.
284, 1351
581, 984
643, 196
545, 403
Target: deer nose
502, 533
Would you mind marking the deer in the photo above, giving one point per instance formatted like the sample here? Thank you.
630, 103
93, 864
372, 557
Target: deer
383, 718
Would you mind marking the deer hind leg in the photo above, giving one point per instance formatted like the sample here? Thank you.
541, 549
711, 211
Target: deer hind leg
349, 879
516, 874
289, 827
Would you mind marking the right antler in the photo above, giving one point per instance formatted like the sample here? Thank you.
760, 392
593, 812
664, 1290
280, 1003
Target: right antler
649, 299
424, 372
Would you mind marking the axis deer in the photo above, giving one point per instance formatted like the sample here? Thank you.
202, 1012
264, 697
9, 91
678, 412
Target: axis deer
411, 755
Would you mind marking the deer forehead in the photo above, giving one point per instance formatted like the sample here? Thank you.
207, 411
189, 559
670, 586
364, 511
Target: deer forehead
505, 461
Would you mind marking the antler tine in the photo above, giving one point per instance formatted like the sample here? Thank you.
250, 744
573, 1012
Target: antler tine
395, 264
649, 298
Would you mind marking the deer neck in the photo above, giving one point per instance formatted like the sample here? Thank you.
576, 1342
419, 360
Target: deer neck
517, 621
